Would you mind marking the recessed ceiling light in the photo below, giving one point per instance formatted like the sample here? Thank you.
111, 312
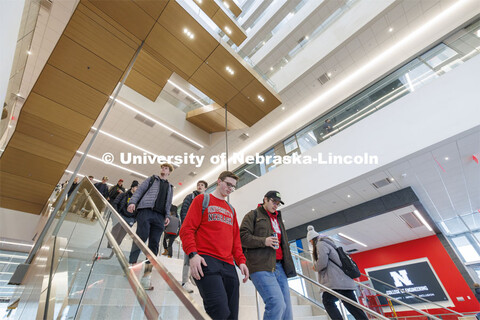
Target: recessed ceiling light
263, 43
271, 68
391, 179
422, 219
283, 108
226, 4
349, 196
18, 95
188, 33
351, 239
313, 209
390, 30
329, 74
446, 158
29, 52
229, 70
228, 30
199, 1
260, 98
307, 37
477, 33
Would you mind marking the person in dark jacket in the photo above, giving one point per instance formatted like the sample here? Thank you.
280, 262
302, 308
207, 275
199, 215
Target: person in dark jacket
171, 232
102, 187
477, 291
74, 185
269, 260
326, 262
120, 204
115, 191
201, 188
152, 201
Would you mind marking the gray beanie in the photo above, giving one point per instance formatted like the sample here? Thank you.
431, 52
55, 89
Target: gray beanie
311, 234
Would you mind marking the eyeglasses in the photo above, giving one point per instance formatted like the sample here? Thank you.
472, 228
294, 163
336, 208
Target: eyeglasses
277, 203
231, 186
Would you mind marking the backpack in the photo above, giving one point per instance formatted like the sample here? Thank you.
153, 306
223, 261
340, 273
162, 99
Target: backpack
349, 267
150, 182
206, 202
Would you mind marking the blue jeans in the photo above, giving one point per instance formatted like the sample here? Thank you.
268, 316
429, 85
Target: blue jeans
273, 287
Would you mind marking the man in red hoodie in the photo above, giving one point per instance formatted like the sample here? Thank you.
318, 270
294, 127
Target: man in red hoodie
212, 241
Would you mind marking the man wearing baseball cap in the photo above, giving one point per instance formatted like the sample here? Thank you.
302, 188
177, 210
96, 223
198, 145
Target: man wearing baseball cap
269, 260
152, 201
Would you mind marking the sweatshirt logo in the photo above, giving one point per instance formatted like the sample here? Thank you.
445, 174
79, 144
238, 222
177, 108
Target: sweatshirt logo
220, 214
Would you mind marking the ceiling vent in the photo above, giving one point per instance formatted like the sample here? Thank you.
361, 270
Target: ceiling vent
189, 99
382, 183
244, 136
324, 78
411, 220
187, 142
46, 4
144, 120
175, 90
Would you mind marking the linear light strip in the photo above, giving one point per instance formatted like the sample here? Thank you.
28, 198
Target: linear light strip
422, 219
185, 92
82, 175
114, 165
130, 144
351, 239
335, 89
16, 243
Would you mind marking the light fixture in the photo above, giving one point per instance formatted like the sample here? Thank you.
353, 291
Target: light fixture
313, 209
349, 196
260, 98
390, 30
307, 37
226, 4
329, 74
114, 165
271, 68
283, 108
29, 52
228, 30
199, 1
263, 43
16, 244
446, 158
188, 33
422, 219
229, 70
477, 33
351, 239
391, 179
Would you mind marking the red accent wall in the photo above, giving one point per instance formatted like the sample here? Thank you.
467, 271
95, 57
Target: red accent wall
429, 247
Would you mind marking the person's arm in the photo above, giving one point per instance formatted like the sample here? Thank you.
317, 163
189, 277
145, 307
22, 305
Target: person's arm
185, 205
138, 194
117, 204
247, 229
237, 251
322, 253
190, 226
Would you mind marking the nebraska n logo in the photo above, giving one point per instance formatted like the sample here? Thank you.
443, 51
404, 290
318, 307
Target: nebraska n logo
401, 278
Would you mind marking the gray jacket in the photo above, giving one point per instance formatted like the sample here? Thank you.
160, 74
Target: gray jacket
173, 226
150, 195
329, 274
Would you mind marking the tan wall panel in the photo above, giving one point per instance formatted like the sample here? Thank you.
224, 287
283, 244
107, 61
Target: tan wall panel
222, 20
99, 40
171, 49
220, 59
128, 14
213, 85
70, 92
108, 23
31, 166
20, 188
143, 85
53, 112
232, 6
20, 205
245, 110
40, 148
175, 19
256, 88
152, 7
72, 58
48, 132
152, 69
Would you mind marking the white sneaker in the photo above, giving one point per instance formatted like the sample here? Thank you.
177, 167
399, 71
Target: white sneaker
187, 287
146, 282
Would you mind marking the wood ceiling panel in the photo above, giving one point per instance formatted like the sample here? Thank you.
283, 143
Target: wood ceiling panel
245, 110
40, 148
55, 113
221, 58
20, 205
175, 19
213, 85
31, 166
171, 50
23, 189
223, 21
70, 92
232, 6
152, 69
208, 6
75, 60
152, 7
91, 35
143, 85
212, 119
108, 23
256, 88
49, 132
128, 14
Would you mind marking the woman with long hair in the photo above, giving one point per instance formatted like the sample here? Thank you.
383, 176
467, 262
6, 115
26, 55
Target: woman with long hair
326, 262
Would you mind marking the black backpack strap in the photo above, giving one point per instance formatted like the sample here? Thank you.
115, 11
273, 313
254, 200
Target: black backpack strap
206, 202
150, 183
329, 259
